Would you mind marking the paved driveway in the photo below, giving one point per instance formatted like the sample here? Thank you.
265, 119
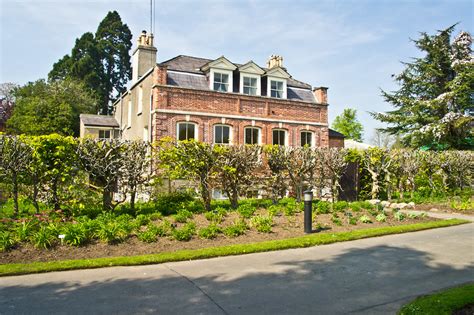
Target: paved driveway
371, 276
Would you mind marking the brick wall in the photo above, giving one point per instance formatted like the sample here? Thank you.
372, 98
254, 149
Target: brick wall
336, 142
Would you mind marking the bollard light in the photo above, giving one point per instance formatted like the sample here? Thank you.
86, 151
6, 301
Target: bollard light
308, 211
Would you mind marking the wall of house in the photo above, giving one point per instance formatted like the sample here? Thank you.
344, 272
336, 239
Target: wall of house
135, 130
207, 108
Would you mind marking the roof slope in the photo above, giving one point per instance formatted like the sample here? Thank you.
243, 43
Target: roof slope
98, 120
193, 65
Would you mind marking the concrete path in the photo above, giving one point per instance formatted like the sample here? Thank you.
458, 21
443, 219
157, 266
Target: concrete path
370, 276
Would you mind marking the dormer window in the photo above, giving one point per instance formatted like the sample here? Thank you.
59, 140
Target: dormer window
221, 82
250, 86
276, 89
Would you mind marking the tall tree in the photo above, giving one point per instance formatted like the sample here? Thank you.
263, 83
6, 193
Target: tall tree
101, 61
7, 101
114, 41
435, 94
348, 125
44, 108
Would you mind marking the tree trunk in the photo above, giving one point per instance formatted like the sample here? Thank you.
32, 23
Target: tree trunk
205, 195
35, 197
107, 199
54, 189
298, 191
133, 193
234, 198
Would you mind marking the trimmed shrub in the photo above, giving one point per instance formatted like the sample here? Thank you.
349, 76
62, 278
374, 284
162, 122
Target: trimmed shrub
246, 211
236, 229
340, 206
365, 219
76, 234
6, 241
381, 217
210, 231
323, 207
262, 224
183, 215
185, 233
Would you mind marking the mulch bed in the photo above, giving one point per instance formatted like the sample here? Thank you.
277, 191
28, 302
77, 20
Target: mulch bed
284, 227
442, 208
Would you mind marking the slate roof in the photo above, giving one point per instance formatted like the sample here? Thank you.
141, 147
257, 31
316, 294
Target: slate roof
189, 64
335, 134
99, 120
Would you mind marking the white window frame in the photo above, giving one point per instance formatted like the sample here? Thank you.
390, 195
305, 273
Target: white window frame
230, 88
286, 135
129, 113
312, 138
196, 129
140, 100
269, 87
259, 138
214, 134
252, 76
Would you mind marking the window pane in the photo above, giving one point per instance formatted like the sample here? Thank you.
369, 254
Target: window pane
246, 81
253, 82
217, 77
251, 135
306, 138
255, 136
273, 85
218, 134
280, 86
190, 131
246, 90
225, 78
226, 134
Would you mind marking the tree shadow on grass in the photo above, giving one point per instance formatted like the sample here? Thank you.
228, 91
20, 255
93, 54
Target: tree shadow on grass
376, 280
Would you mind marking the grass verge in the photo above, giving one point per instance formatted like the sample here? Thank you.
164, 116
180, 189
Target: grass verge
238, 249
444, 302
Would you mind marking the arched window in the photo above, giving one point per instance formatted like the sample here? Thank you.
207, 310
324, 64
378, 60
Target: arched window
279, 137
222, 134
306, 138
252, 135
186, 131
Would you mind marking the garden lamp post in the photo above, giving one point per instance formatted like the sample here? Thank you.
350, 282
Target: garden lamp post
308, 205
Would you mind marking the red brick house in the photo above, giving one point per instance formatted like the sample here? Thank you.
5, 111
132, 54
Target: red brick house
216, 101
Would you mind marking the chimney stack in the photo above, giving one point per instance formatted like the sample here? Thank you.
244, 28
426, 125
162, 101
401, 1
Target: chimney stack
144, 56
321, 94
275, 61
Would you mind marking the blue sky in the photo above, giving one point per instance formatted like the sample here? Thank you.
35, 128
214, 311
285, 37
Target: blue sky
350, 46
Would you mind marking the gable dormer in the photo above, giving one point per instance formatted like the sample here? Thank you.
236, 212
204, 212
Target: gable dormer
250, 79
276, 78
220, 74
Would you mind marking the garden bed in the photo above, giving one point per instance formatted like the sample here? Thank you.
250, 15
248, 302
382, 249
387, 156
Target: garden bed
283, 226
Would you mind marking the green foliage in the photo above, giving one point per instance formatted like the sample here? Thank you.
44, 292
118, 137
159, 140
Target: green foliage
101, 62
348, 125
43, 108
438, 88
236, 229
150, 234
24, 230
210, 232
381, 217
399, 216
7, 241
112, 231
164, 228
246, 211
340, 206
262, 224
365, 219
353, 221
446, 302
45, 237
413, 215
170, 203
274, 210
336, 220
76, 234
216, 216
323, 207
155, 216
185, 233
183, 215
